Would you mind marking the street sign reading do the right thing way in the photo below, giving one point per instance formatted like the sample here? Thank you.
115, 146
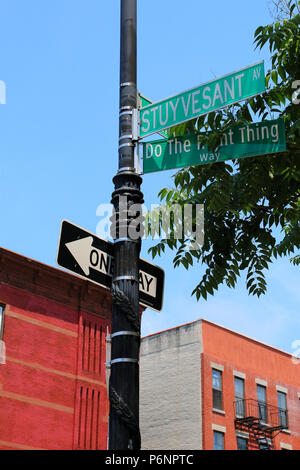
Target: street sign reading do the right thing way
245, 140
216, 94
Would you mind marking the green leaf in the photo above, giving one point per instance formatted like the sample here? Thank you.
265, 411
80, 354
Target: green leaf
274, 76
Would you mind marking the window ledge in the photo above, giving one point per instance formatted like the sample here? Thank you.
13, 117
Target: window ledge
221, 412
287, 431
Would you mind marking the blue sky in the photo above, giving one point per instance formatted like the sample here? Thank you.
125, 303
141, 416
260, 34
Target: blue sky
59, 133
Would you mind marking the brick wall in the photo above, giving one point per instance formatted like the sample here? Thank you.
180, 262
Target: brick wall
52, 388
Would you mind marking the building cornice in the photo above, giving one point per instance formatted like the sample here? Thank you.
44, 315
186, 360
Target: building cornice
45, 281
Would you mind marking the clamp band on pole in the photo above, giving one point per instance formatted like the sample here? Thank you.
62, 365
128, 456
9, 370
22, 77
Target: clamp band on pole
125, 108
125, 278
127, 84
123, 113
126, 168
125, 239
127, 136
125, 333
127, 144
124, 359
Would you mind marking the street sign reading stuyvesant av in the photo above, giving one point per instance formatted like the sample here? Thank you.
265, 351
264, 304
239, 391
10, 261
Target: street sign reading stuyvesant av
246, 140
143, 101
91, 257
217, 94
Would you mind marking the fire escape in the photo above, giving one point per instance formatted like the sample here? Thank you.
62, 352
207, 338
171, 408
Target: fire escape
260, 420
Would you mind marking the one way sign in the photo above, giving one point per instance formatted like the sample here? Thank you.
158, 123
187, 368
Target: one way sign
91, 257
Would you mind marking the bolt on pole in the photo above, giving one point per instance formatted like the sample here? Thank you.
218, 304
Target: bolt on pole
125, 335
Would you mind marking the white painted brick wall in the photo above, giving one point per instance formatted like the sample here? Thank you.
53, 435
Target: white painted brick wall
170, 393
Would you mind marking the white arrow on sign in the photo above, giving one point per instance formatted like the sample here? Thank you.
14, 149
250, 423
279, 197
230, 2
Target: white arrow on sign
89, 257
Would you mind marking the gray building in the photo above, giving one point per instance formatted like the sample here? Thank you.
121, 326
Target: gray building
170, 395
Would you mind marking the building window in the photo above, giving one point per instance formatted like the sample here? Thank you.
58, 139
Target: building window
262, 403
239, 393
281, 397
264, 445
284, 446
242, 443
218, 440
217, 389
2, 306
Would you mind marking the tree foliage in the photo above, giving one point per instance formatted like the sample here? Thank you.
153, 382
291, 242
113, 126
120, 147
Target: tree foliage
252, 205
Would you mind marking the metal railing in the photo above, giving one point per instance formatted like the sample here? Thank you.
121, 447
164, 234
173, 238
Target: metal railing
263, 413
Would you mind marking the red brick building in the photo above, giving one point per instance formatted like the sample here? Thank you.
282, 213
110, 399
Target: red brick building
206, 387
52, 387
260, 388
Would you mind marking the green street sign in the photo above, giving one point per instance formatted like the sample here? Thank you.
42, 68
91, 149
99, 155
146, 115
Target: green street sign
221, 92
242, 141
142, 102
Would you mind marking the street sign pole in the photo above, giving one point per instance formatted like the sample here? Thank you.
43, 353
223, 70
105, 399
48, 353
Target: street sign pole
125, 335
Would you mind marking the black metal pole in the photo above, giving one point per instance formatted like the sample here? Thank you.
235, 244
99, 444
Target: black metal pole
125, 339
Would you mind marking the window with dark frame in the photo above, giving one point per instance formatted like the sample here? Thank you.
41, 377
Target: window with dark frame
239, 393
264, 446
262, 403
282, 411
218, 440
2, 307
217, 389
242, 443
